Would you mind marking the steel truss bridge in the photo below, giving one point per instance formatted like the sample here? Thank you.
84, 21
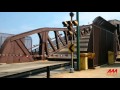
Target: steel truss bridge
98, 37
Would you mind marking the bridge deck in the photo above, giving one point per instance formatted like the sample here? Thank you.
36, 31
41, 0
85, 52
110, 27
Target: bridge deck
10, 69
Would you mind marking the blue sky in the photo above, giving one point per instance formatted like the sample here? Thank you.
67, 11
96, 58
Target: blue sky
18, 22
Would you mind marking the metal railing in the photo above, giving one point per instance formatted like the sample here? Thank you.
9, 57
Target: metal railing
46, 69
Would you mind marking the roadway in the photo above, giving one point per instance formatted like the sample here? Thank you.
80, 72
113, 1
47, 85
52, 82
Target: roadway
15, 68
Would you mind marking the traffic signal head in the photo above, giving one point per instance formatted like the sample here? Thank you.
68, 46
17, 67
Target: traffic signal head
70, 33
70, 23
75, 22
70, 27
65, 24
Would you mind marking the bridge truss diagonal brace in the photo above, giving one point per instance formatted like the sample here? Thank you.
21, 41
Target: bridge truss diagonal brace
43, 47
60, 38
23, 48
57, 42
52, 45
66, 37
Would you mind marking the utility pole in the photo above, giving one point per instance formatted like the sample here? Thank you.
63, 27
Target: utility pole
78, 42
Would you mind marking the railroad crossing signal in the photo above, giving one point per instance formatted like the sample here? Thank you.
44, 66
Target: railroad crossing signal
71, 48
69, 25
